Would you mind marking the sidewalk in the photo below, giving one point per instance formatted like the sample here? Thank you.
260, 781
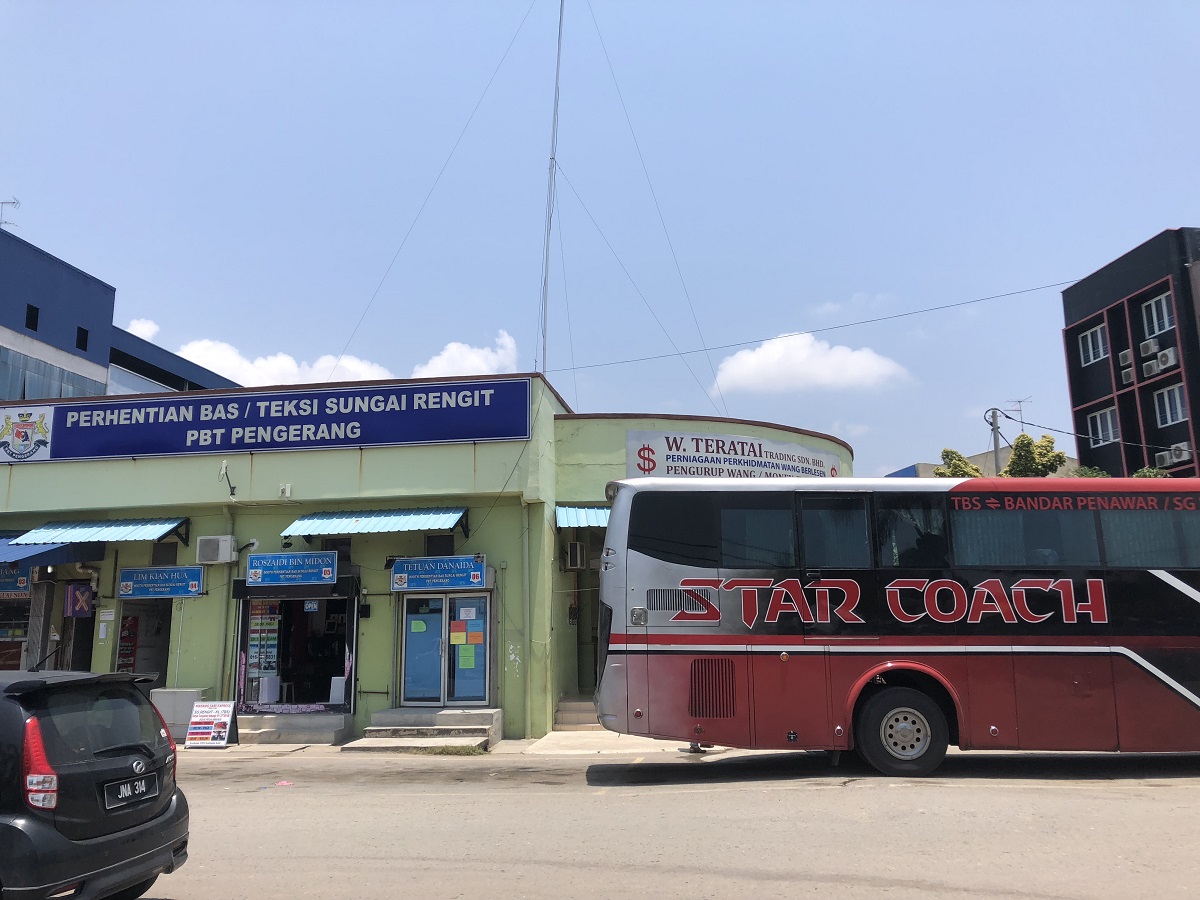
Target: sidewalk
556, 743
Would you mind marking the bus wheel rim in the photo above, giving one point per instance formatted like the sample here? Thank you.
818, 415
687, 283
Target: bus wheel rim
904, 733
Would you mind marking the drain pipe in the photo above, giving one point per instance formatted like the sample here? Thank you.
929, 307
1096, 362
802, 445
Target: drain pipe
528, 615
91, 572
228, 601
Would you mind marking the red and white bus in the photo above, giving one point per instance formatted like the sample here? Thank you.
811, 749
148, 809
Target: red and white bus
897, 616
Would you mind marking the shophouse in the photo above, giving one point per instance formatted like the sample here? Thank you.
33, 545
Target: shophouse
323, 555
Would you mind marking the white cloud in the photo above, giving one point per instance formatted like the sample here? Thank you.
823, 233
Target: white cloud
849, 429
278, 368
458, 358
799, 361
861, 305
146, 329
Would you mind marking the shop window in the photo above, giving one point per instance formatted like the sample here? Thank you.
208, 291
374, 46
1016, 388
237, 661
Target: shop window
1102, 427
439, 544
1093, 345
1169, 406
164, 554
1157, 315
31, 316
342, 547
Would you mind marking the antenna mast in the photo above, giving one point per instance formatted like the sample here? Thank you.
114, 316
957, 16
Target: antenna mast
550, 199
14, 203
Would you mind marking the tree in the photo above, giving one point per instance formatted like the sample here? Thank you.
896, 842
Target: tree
955, 465
1151, 472
1033, 460
1089, 472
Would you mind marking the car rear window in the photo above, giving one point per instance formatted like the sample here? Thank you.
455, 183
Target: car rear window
79, 723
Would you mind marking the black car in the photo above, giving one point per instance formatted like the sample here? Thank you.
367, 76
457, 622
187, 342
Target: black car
88, 802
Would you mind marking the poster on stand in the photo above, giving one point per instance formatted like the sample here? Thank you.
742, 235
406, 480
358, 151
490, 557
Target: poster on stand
213, 724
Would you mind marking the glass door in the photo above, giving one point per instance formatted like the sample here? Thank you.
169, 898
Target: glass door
445, 649
424, 647
466, 670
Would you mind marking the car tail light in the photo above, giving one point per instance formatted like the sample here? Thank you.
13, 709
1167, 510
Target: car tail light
41, 781
166, 732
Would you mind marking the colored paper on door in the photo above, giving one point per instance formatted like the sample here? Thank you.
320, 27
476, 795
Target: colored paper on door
466, 612
466, 657
417, 626
458, 626
475, 625
458, 637
474, 637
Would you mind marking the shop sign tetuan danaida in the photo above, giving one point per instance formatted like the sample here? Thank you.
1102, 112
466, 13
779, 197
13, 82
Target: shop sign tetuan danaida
376, 415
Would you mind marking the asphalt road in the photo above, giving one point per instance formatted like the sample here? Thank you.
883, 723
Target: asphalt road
330, 825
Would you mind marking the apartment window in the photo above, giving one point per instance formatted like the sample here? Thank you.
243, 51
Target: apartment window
81, 336
1169, 405
31, 316
1102, 427
1093, 345
1157, 315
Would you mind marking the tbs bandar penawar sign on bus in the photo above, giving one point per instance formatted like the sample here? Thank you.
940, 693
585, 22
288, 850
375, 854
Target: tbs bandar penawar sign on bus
372, 415
678, 454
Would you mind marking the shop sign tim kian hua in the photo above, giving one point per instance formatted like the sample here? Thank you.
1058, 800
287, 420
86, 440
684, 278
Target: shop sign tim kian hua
373, 415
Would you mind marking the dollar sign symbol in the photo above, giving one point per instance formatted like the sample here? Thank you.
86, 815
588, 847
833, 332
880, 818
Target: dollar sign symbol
646, 455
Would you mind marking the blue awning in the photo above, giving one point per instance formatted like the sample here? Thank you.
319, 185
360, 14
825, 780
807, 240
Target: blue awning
47, 554
582, 516
102, 530
376, 521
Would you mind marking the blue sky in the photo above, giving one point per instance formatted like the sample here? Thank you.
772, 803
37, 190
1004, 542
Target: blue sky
244, 175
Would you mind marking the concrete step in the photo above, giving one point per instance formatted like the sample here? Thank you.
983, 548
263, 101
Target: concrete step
300, 728
424, 731
595, 726
471, 722
413, 744
572, 717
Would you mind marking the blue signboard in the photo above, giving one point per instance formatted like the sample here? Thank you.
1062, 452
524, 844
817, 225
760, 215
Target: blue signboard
435, 573
14, 583
161, 581
374, 415
292, 568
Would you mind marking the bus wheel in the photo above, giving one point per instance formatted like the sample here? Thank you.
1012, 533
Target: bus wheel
900, 731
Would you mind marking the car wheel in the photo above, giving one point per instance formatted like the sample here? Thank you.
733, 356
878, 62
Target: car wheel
902, 732
134, 891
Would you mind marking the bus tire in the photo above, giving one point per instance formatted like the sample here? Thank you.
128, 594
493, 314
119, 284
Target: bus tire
902, 732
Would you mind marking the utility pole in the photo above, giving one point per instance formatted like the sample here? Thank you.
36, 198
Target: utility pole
995, 414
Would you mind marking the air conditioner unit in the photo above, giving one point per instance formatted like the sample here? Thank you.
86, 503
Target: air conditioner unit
1127, 375
1181, 452
1147, 347
1162, 460
1150, 368
576, 556
1125, 357
215, 549
1166, 358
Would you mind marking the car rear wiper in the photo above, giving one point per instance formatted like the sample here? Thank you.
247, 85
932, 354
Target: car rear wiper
133, 746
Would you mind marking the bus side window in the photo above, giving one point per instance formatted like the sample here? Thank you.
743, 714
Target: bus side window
758, 537
910, 531
834, 532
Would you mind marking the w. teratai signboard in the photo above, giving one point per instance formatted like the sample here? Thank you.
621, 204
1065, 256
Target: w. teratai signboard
367, 416
679, 454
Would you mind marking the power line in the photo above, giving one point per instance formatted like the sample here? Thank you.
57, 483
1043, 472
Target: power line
903, 315
1077, 435
432, 188
678, 353
654, 196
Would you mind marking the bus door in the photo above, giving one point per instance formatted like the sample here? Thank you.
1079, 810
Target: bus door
840, 584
